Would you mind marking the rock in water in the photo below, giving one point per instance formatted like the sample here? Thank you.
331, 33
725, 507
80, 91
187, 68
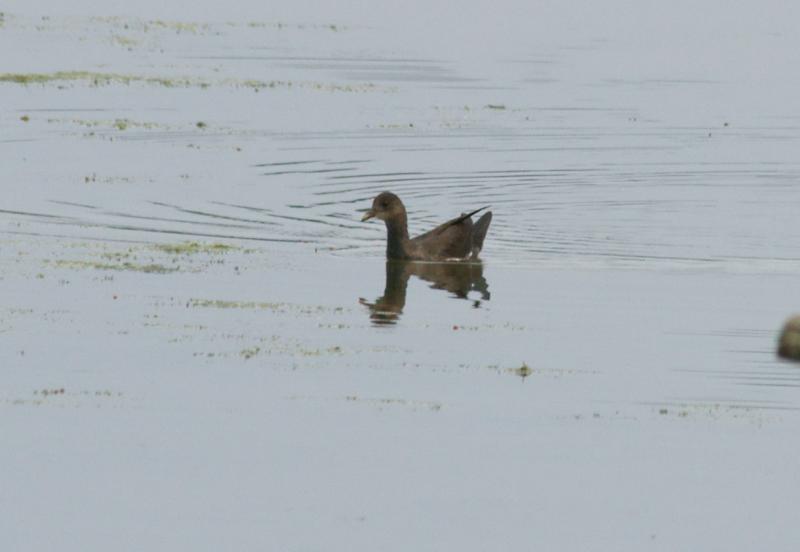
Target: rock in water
789, 344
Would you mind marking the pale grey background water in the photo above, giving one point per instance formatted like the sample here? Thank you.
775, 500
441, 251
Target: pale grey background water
640, 160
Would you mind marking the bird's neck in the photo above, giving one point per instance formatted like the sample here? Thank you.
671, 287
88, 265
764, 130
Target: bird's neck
397, 239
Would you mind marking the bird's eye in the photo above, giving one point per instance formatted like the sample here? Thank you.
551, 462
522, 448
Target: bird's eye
384, 204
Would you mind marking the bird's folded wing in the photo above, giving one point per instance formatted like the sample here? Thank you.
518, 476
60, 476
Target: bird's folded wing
442, 227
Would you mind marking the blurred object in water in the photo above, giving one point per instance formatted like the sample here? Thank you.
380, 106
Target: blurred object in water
789, 343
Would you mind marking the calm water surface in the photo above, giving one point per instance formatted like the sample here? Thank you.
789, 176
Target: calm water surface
618, 337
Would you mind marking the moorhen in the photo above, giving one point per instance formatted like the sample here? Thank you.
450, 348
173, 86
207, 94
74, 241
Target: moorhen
455, 240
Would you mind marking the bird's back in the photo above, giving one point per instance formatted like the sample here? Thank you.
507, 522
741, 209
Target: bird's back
458, 238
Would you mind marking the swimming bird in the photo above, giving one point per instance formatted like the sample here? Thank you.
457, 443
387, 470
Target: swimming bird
456, 239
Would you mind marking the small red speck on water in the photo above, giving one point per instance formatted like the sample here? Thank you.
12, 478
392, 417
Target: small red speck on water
455, 327
115, 298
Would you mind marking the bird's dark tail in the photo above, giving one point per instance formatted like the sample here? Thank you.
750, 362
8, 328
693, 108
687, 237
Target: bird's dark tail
479, 233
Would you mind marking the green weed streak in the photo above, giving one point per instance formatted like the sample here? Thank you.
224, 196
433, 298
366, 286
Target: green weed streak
147, 268
189, 248
104, 79
97, 79
275, 307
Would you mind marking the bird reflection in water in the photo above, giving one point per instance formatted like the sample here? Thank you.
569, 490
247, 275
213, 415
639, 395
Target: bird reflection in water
458, 278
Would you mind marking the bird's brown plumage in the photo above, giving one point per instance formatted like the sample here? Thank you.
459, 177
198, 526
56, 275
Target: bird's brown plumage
456, 239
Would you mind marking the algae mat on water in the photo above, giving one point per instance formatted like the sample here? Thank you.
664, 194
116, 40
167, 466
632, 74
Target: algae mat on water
104, 79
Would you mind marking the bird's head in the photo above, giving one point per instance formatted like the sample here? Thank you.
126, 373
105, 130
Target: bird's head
386, 206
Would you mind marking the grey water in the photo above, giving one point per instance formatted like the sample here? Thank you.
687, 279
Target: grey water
180, 238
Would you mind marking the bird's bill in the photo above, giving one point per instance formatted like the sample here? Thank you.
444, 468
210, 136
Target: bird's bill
368, 215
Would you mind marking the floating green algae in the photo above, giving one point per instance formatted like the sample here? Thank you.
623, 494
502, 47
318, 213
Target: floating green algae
104, 79
132, 267
263, 305
125, 41
119, 124
193, 247
250, 353
95, 79
523, 371
178, 26
223, 304
199, 27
